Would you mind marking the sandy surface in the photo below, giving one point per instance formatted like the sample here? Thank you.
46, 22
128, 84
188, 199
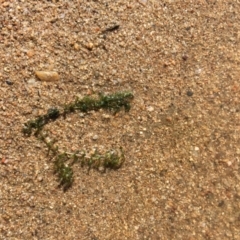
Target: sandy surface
180, 59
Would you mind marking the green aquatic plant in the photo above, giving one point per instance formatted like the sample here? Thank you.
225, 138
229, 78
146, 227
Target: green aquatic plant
113, 103
110, 160
63, 171
40, 121
63, 161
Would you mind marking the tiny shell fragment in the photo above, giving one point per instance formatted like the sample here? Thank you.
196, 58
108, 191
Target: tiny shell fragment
47, 76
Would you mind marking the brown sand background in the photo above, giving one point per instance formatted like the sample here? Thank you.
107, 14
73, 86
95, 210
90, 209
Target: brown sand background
181, 136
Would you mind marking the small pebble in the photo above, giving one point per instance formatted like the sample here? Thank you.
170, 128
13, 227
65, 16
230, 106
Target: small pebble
150, 108
198, 71
47, 76
144, 2
31, 82
184, 57
101, 169
30, 53
95, 137
106, 116
4, 160
82, 115
9, 82
40, 178
5, 4
189, 93
76, 46
89, 46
